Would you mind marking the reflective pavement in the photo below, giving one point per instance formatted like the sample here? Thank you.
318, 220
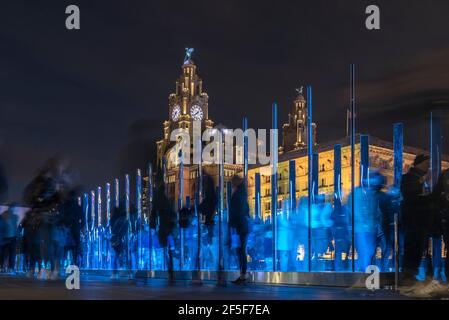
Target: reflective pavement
99, 288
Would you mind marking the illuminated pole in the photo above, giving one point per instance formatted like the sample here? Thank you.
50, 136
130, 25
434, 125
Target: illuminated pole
127, 204
99, 207
292, 184
353, 137
92, 210
274, 184
245, 151
198, 200
398, 141
435, 170
337, 176
364, 157
315, 170
310, 172
435, 149
86, 230
108, 205
86, 212
117, 193
180, 206
92, 228
257, 196
108, 223
128, 216
149, 208
221, 279
99, 229
139, 216
228, 200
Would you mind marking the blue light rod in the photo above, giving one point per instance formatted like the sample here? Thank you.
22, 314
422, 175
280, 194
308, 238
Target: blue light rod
310, 172
274, 184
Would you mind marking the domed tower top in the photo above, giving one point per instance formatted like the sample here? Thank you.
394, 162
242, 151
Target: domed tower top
300, 101
189, 66
295, 130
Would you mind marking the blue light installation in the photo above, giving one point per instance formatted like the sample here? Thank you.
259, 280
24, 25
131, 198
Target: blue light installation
93, 263
107, 228
337, 175
149, 208
310, 172
274, 184
117, 192
128, 219
86, 242
99, 230
139, 221
436, 142
245, 151
292, 184
180, 206
398, 142
364, 157
257, 196
352, 137
315, 185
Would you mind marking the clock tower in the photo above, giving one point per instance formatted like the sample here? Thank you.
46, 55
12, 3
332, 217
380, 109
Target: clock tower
294, 133
187, 104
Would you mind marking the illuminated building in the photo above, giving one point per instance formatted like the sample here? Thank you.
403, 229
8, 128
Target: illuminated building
187, 104
190, 102
294, 148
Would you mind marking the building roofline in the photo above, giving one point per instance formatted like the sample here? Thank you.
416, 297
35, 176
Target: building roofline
344, 142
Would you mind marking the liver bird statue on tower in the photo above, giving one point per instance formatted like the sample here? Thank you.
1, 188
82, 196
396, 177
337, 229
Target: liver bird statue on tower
189, 52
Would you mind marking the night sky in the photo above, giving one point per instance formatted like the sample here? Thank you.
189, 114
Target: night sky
98, 96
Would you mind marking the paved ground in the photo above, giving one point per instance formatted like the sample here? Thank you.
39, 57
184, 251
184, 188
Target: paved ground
99, 288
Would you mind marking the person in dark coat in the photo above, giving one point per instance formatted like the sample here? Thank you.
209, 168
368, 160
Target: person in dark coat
440, 233
443, 216
73, 216
438, 210
9, 233
162, 210
208, 206
239, 221
415, 216
31, 241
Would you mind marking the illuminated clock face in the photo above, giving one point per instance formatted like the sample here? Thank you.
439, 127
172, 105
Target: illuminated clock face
176, 113
196, 112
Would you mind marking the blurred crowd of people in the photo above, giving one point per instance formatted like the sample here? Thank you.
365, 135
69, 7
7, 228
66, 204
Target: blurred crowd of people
50, 234
50, 230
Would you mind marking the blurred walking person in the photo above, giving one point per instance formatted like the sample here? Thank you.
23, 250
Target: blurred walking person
56, 245
367, 218
162, 209
415, 220
9, 233
440, 232
239, 221
119, 234
73, 216
31, 242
